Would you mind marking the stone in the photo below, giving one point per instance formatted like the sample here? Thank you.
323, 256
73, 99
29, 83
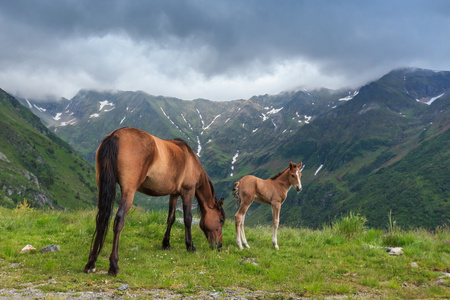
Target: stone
27, 248
414, 265
50, 248
123, 287
396, 251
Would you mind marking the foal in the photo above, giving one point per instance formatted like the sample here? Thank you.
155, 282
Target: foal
271, 191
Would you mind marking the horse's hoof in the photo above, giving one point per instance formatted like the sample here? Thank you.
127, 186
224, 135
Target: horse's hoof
166, 247
276, 247
89, 270
247, 246
113, 272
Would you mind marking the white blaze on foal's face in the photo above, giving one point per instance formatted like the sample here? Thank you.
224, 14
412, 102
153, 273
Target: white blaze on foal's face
298, 178
295, 171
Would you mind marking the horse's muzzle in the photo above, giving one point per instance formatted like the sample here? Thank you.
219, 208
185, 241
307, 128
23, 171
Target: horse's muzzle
298, 189
216, 245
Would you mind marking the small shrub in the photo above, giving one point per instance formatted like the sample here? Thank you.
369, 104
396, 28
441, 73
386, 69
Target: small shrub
350, 226
23, 207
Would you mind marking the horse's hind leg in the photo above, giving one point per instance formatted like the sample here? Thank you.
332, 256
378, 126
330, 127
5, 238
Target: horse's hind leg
170, 221
125, 204
239, 219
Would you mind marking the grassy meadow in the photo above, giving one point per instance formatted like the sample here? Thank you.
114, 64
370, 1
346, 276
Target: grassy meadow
342, 259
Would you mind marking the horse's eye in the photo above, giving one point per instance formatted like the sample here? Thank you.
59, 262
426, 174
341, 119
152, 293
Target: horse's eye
293, 176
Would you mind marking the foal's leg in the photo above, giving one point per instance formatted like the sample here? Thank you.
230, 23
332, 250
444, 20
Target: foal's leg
276, 220
125, 204
170, 221
187, 214
239, 219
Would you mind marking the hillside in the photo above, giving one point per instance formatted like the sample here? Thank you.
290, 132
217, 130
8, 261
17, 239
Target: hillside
387, 149
37, 165
354, 144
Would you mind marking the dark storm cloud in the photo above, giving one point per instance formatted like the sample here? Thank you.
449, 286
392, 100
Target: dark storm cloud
224, 45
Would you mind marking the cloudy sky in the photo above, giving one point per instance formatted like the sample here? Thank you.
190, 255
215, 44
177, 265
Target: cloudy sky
218, 50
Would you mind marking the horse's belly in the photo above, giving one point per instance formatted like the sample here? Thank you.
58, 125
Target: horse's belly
156, 187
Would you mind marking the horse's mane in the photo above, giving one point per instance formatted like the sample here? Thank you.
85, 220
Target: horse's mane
182, 142
213, 192
279, 174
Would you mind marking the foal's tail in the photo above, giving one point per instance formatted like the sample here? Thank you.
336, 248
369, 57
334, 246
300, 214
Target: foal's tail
107, 172
236, 194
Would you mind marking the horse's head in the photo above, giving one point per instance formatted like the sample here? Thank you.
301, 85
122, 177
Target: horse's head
212, 222
295, 174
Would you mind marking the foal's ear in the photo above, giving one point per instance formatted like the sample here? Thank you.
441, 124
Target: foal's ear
220, 203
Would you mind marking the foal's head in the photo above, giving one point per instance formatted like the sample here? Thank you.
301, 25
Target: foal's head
295, 174
212, 222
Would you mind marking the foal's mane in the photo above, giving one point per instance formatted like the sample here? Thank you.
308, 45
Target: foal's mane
279, 174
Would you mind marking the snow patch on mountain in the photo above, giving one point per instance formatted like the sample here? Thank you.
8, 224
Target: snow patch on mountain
189, 124
318, 170
94, 116
199, 149
121, 121
39, 108
105, 103
233, 161
350, 96
431, 100
57, 117
271, 111
70, 122
204, 128
168, 117
201, 118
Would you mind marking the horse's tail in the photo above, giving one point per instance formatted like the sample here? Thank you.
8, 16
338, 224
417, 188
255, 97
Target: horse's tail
236, 194
107, 172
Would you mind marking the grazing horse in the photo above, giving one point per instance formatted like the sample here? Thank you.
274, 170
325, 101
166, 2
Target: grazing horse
271, 191
138, 161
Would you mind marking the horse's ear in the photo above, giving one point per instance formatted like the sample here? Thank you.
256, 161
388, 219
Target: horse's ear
291, 165
220, 203
299, 165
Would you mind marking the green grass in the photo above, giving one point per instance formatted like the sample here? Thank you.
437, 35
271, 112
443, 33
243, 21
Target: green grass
312, 263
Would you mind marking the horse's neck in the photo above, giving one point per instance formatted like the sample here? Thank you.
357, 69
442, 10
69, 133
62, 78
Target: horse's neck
204, 193
283, 180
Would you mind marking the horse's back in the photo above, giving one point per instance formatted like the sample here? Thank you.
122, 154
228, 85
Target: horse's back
153, 165
256, 189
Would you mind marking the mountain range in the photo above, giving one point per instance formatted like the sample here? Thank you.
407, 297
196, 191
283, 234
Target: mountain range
376, 150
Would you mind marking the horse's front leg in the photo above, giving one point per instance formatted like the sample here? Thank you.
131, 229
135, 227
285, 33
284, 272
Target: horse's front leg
125, 204
187, 213
170, 221
276, 221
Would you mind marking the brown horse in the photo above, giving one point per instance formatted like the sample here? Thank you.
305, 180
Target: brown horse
138, 161
271, 191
